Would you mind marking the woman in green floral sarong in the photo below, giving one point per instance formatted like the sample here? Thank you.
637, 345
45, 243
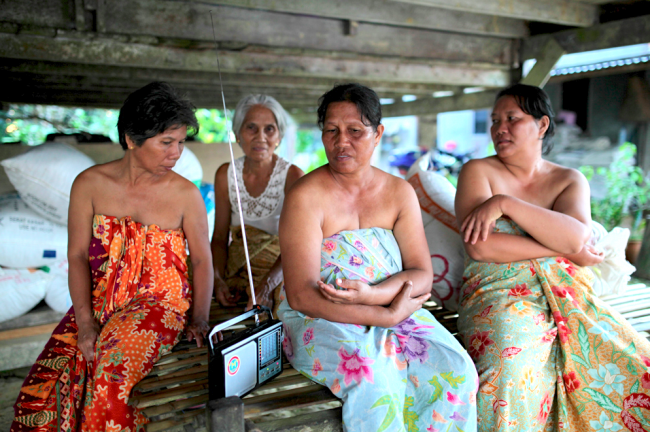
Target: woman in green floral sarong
549, 353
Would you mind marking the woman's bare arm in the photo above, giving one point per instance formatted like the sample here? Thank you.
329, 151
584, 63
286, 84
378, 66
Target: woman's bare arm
561, 231
416, 262
80, 228
300, 241
220, 236
195, 227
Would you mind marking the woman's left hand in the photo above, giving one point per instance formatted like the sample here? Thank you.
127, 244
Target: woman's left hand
355, 292
198, 329
481, 221
263, 297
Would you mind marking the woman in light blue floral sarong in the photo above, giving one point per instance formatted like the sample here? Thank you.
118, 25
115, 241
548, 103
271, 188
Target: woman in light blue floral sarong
357, 271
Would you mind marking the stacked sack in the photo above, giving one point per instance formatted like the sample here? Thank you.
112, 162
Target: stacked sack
436, 196
33, 231
33, 225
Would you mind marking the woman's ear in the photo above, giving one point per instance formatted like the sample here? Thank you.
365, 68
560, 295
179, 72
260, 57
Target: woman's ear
378, 134
544, 123
129, 142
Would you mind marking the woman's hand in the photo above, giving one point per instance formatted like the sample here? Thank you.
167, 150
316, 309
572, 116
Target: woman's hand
588, 256
354, 292
263, 296
223, 294
481, 221
198, 329
88, 333
404, 305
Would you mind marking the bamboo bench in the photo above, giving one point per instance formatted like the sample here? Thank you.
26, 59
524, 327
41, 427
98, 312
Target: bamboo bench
174, 395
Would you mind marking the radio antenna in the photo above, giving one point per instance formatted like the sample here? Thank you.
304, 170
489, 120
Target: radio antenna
234, 174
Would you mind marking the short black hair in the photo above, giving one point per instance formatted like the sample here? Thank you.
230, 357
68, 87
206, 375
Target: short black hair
153, 109
535, 102
364, 98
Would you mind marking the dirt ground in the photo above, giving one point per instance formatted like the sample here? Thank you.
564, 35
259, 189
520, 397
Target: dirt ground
10, 383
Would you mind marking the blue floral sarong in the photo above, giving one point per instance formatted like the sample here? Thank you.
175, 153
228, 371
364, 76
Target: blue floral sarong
412, 377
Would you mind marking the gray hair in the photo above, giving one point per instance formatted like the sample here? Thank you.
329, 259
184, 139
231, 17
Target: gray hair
247, 102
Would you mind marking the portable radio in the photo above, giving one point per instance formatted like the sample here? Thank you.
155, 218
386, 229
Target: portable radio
244, 361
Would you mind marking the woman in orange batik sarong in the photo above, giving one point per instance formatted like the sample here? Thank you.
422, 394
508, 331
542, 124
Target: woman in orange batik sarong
128, 280
550, 355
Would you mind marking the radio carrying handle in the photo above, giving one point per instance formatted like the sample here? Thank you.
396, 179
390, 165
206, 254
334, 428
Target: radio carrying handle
257, 309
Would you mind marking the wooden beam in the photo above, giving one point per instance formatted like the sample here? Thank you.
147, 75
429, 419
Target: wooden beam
15, 67
565, 12
429, 106
273, 29
55, 14
112, 52
102, 98
609, 35
546, 60
391, 13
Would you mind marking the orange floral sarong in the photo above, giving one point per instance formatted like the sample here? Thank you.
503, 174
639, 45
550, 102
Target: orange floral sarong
140, 294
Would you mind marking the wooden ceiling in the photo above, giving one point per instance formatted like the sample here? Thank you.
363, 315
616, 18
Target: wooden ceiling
95, 52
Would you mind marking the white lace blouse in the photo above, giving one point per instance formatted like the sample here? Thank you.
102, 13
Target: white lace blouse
262, 212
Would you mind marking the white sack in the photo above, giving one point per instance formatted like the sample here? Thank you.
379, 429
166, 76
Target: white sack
20, 291
614, 272
44, 175
436, 196
189, 167
26, 238
57, 293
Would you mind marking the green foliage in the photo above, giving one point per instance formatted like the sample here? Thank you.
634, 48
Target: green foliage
30, 124
310, 153
628, 192
213, 126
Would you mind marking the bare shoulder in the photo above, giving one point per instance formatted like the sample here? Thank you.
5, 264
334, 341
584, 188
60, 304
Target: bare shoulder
564, 174
395, 185
309, 185
483, 166
293, 174
180, 185
97, 175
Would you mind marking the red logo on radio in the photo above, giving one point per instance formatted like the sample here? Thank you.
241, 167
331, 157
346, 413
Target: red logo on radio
233, 365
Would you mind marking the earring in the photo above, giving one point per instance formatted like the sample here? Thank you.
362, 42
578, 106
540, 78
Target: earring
277, 144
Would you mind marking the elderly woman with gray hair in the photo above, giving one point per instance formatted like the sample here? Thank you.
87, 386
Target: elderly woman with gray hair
264, 178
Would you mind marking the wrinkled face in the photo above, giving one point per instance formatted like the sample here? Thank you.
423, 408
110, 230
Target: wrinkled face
348, 142
512, 129
259, 134
160, 153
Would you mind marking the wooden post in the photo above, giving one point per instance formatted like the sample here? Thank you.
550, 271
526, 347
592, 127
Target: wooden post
643, 261
226, 414
546, 60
